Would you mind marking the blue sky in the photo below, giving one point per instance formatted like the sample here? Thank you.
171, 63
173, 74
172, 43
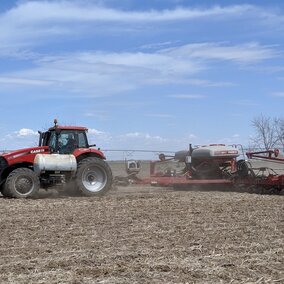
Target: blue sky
156, 74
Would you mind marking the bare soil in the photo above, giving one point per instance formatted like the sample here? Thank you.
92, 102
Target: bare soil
143, 235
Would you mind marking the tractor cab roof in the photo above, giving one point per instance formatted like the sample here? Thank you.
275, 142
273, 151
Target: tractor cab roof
61, 127
79, 128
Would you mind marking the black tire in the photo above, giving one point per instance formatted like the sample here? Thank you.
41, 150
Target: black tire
3, 192
94, 177
2, 189
21, 183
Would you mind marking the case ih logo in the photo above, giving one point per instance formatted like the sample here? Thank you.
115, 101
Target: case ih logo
37, 151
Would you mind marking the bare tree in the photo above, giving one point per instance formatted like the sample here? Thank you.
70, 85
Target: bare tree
280, 131
267, 132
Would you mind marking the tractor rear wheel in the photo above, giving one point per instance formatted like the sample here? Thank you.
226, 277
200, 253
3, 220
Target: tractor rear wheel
94, 177
21, 183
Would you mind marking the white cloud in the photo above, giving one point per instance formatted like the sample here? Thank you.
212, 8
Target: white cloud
100, 115
24, 132
95, 131
97, 73
241, 53
278, 94
98, 135
158, 45
160, 115
144, 136
79, 11
191, 136
19, 139
187, 96
23, 81
31, 23
100, 73
105, 73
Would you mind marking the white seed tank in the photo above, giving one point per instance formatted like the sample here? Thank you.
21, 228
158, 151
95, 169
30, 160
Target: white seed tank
54, 162
215, 151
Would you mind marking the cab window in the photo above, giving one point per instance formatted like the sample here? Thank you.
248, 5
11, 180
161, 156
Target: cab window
82, 140
67, 142
52, 141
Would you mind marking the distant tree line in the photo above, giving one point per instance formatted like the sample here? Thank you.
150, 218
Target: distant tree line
269, 132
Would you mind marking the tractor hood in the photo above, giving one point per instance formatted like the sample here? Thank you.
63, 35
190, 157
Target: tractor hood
24, 155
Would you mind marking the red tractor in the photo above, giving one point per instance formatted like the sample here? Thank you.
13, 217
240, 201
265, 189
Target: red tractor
63, 157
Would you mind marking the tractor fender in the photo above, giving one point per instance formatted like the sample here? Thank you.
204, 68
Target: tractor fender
83, 153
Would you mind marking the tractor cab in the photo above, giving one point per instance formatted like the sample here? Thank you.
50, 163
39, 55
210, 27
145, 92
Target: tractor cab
64, 139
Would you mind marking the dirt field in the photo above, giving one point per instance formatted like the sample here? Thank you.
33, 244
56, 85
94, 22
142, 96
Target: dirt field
143, 235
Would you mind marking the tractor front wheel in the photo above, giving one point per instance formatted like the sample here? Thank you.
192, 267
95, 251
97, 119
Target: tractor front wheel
21, 183
1, 189
94, 177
